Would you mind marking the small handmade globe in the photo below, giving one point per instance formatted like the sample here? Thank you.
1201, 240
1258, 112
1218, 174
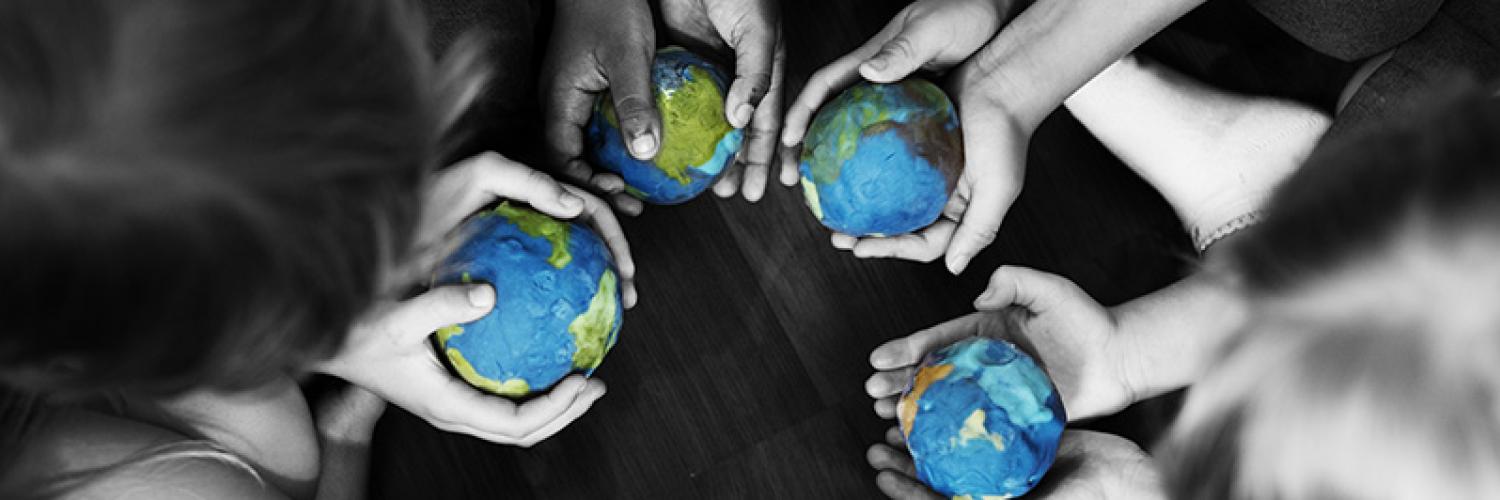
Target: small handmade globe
881, 159
697, 141
557, 307
981, 419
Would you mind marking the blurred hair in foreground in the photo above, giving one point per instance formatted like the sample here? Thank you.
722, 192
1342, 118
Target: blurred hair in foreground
1371, 366
202, 193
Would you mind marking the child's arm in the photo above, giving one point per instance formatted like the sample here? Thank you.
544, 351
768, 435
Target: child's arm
346, 423
1101, 359
1215, 156
1003, 92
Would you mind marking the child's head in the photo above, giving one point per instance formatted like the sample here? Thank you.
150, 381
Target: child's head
1371, 367
200, 192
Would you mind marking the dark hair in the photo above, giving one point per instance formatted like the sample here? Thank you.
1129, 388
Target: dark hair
201, 192
1326, 367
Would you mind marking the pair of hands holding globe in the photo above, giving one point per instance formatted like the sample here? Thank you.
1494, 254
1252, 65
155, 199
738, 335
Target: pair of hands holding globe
387, 351
608, 45
1074, 339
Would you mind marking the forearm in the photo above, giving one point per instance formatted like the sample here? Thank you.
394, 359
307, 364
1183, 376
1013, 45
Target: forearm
1215, 156
1169, 338
1054, 46
346, 468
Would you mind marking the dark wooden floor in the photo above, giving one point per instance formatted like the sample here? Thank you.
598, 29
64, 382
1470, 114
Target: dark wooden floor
740, 374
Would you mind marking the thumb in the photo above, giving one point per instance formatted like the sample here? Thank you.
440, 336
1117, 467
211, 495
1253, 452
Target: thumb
441, 307
916, 45
753, 58
994, 167
635, 102
1037, 291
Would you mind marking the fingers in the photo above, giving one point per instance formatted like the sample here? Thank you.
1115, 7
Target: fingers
994, 166
897, 476
886, 408
908, 350
627, 204
729, 183
591, 393
843, 241
903, 487
418, 317
832, 78
925, 245
629, 75
916, 45
760, 145
608, 227
789, 157
888, 383
894, 438
755, 53
498, 177
1035, 290
497, 419
566, 112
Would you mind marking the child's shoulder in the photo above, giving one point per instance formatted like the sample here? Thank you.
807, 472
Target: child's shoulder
80, 453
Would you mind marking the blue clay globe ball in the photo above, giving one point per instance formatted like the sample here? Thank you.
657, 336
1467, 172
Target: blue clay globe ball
697, 141
981, 419
882, 159
557, 301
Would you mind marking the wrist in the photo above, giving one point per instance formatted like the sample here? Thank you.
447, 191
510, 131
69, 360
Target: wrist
1125, 361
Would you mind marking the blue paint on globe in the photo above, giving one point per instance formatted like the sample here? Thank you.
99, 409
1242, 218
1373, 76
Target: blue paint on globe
981, 419
697, 141
557, 307
882, 159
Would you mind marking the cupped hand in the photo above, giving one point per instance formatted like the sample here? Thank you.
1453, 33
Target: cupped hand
388, 353
600, 45
751, 30
455, 193
1071, 336
1089, 465
935, 35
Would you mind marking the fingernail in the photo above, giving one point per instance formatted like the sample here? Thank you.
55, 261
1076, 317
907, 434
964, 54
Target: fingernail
985, 297
643, 145
570, 201
957, 262
743, 113
876, 64
482, 296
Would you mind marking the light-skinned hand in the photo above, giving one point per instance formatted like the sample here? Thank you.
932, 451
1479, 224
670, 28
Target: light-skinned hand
1089, 465
600, 45
936, 35
751, 30
1071, 336
388, 353
455, 193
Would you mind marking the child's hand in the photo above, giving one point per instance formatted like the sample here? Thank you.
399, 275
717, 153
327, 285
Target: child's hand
751, 30
387, 352
1071, 336
936, 35
1089, 465
600, 45
457, 192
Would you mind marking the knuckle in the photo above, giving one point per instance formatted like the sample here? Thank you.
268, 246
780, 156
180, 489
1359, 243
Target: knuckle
899, 47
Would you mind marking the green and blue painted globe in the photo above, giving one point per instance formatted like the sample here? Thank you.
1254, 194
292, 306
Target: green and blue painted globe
981, 419
882, 159
557, 301
697, 141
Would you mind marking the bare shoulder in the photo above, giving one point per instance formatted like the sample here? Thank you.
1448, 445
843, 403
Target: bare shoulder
76, 453
183, 477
